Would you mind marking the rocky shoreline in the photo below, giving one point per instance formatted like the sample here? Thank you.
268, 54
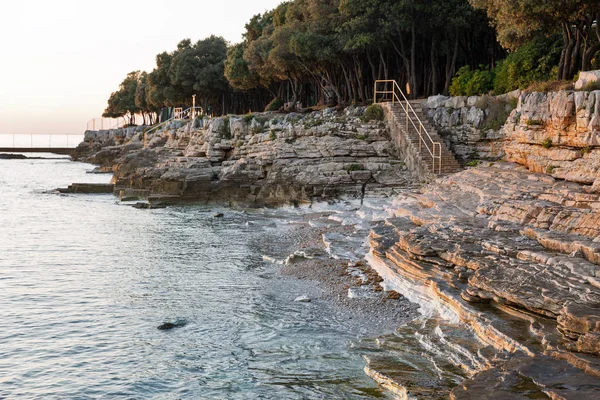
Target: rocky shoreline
263, 159
503, 258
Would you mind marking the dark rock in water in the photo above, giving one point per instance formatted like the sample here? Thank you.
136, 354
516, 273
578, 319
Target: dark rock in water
170, 325
219, 215
150, 206
88, 188
4, 156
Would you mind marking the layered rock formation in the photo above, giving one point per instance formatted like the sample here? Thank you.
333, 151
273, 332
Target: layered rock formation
511, 251
497, 243
262, 159
558, 134
472, 126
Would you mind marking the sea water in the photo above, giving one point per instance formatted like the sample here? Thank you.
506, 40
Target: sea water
85, 281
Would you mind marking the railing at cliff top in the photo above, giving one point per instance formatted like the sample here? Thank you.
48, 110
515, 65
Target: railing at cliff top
105, 124
33, 141
433, 148
185, 114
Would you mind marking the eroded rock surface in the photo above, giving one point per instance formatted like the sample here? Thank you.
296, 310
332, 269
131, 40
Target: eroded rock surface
516, 256
472, 126
262, 159
558, 134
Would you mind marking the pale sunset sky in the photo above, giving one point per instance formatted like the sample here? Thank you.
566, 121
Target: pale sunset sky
61, 59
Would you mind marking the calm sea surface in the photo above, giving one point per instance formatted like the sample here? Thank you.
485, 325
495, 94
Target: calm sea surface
85, 281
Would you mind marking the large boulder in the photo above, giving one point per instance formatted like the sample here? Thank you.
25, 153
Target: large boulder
587, 77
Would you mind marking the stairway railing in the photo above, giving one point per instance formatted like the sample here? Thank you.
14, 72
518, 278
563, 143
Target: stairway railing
434, 148
187, 113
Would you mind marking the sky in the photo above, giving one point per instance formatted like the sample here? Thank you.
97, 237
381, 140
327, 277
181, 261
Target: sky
60, 60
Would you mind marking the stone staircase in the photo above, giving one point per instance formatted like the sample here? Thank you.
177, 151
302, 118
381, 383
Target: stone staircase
397, 116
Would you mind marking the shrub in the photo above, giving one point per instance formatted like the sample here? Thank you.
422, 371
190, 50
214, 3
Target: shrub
225, 129
535, 122
274, 105
550, 168
273, 135
586, 150
248, 118
373, 112
550, 86
361, 137
532, 62
591, 86
547, 143
355, 167
472, 83
472, 163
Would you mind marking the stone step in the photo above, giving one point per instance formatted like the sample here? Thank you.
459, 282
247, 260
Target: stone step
88, 188
421, 131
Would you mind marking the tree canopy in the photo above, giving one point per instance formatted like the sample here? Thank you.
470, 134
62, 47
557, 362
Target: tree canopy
332, 51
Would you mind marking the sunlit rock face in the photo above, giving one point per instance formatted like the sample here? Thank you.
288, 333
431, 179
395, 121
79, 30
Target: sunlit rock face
260, 159
557, 134
515, 255
472, 126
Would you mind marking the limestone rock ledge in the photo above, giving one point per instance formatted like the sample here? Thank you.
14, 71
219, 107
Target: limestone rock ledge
263, 159
515, 256
559, 134
472, 126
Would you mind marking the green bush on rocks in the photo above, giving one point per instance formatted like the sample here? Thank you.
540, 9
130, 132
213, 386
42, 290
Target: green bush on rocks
373, 112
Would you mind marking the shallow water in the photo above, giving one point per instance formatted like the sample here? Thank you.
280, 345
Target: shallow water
85, 281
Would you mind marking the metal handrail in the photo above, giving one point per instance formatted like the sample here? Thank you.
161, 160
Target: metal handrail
37, 135
114, 123
181, 115
422, 131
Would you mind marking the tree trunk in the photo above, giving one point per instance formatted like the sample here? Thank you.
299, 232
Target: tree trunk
451, 68
433, 68
413, 63
385, 68
567, 73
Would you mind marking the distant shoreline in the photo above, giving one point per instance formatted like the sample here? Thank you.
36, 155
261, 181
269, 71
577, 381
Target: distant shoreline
21, 156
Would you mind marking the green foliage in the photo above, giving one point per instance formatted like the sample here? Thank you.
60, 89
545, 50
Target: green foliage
373, 112
248, 118
237, 70
550, 169
586, 150
533, 62
191, 69
312, 123
273, 135
547, 143
122, 102
550, 86
355, 167
472, 163
472, 83
225, 129
274, 105
535, 122
361, 137
591, 86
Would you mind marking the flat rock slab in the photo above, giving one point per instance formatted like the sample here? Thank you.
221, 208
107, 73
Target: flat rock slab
88, 188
